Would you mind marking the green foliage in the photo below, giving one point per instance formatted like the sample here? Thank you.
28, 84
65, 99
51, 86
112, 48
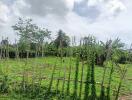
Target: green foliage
4, 86
89, 52
76, 78
51, 81
93, 88
36, 69
69, 77
62, 40
122, 73
110, 79
87, 82
81, 83
30, 33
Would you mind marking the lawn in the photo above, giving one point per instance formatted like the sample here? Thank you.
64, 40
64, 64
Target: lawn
34, 69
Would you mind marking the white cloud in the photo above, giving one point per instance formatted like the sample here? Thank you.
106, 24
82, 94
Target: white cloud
93, 2
4, 13
70, 4
99, 9
112, 17
102, 8
78, 1
46, 7
115, 6
19, 7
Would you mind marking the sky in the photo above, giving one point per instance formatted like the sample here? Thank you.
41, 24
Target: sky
104, 19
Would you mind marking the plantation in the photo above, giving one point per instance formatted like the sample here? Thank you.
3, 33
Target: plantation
38, 67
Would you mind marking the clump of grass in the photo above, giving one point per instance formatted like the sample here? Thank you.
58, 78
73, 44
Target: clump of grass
4, 85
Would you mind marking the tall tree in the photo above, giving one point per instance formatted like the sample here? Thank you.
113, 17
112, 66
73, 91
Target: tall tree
62, 40
30, 33
89, 41
111, 48
25, 29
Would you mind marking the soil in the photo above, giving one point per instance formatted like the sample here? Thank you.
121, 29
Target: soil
126, 97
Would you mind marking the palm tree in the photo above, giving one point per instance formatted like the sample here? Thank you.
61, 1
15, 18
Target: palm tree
110, 47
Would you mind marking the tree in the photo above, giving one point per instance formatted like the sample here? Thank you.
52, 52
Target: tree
89, 41
86, 44
111, 48
40, 35
24, 29
62, 40
30, 33
5, 42
4, 48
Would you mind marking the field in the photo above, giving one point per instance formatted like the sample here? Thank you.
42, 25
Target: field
47, 71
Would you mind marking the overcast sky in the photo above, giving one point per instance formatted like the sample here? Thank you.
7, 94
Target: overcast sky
103, 18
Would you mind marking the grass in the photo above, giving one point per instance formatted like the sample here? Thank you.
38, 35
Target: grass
35, 68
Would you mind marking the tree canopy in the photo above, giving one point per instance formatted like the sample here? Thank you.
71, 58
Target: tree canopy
62, 40
30, 33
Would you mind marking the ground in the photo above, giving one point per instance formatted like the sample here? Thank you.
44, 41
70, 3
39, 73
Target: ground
43, 67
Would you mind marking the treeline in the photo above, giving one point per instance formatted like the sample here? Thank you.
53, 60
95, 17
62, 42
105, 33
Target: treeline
36, 41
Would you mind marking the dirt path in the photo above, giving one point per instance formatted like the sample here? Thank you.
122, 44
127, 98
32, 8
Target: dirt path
128, 97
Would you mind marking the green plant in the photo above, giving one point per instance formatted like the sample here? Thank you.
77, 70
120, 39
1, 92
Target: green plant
4, 85
81, 81
93, 88
76, 77
122, 72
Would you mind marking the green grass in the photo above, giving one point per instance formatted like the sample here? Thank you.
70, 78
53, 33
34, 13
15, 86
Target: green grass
43, 67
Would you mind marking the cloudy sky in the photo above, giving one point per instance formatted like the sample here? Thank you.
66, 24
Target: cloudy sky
103, 18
